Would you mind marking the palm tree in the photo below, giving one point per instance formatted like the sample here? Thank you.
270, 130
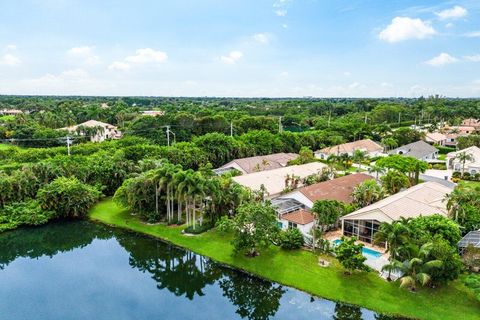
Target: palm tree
389, 143
377, 170
359, 156
416, 269
464, 157
460, 198
367, 193
395, 235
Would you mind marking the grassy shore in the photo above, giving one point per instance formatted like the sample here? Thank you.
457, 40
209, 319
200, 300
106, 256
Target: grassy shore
300, 269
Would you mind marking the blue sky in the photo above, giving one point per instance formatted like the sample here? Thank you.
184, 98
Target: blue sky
274, 48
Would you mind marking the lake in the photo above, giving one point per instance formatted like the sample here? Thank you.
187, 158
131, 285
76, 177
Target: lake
82, 270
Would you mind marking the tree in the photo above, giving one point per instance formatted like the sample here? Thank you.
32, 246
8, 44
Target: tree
408, 165
291, 239
327, 212
67, 197
367, 192
393, 181
389, 143
377, 170
395, 235
416, 269
350, 255
463, 157
255, 225
359, 156
435, 225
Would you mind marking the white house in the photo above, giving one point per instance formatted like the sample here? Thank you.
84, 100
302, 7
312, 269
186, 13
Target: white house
301, 219
436, 138
97, 131
472, 166
371, 148
274, 181
424, 199
419, 150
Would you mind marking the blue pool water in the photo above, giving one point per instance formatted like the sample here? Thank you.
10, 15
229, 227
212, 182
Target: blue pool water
367, 252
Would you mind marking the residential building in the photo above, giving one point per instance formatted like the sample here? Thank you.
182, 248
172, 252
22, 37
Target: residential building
421, 200
371, 148
452, 139
419, 150
10, 112
301, 219
471, 122
97, 131
258, 163
436, 138
278, 180
472, 166
339, 189
153, 113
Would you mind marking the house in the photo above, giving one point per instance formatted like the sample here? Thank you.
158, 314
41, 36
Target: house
475, 123
436, 138
10, 112
370, 147
275, 181
339, 189
472, 166
419, 150
421, 200
259, 163
153, 113
451, 140
97, 131
301, 219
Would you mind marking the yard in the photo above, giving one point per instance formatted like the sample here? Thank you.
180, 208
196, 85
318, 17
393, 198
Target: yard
300, 269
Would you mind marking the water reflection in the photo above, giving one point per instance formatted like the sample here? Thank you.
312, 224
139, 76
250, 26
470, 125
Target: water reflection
185, 282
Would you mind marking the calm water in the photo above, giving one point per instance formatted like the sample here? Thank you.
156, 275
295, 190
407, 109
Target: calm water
81, 270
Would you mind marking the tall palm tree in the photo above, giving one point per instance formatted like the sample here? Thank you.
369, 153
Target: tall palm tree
359, 156
377, 170
395, 235
367, 193
463, 157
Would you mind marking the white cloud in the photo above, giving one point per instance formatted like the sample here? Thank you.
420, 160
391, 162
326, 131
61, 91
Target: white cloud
473, 34
85, 53
280, 7
118, 65
11, 47
232, 57
474, 58
284, 74
441, 60
74, 74
262, 38
449, 25
10, 60
281, 12
147, 55
347, 73
456, 12
404, 28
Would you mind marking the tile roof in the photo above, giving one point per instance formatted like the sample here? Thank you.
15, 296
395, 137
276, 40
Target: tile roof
262, 163
337, 189
435, 136
364, 145
423, 199
301, 216
418, 149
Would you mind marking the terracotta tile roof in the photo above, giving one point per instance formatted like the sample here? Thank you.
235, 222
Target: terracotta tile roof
339, 189
364, 145
301, 216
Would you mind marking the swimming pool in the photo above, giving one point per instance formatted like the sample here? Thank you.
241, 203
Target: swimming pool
367, 252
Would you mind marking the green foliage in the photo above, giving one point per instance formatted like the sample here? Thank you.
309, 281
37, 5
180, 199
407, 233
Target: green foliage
472, 281
435, 225
67, 197
255, 227
23, 213
327, 212
394, 181
408, 165
291, 239
350, 255
367, 192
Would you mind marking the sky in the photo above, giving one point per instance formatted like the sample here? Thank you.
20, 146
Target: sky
240, 48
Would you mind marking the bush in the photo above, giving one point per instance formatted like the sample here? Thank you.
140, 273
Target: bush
444, 150
205, 226
23, 213
67, 197
291, 239
456, 174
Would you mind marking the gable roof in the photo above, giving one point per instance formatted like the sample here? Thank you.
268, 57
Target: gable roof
435, 137
339, 189
474, 151
364, 145
423, 199
274, 180
418, 149
262, 163
301, 216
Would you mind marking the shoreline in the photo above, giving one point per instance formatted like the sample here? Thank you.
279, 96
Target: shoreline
299, 269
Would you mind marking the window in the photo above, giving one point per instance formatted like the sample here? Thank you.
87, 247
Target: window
292, 225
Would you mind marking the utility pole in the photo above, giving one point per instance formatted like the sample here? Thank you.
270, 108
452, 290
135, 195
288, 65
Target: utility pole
168, 136
231, 128
329, 116
280, 128
69, 142
399, 118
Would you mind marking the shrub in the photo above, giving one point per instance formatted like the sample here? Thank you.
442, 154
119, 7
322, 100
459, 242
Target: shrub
199, 228
456, 174
23, 213
291, 239
67, 197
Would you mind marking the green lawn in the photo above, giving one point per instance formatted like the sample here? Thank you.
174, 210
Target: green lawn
469, 184
300, 269
4, 146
